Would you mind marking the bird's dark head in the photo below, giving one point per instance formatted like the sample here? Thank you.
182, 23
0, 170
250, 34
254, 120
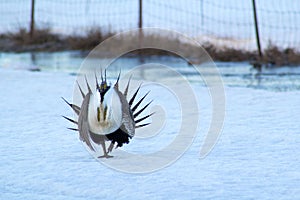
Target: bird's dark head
103, 87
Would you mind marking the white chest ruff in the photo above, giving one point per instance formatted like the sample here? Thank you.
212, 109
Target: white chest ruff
105, 117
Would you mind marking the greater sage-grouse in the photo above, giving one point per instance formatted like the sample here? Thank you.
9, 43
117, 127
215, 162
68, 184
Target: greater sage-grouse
107, 115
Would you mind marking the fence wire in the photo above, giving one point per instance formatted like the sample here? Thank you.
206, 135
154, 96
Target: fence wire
225, 23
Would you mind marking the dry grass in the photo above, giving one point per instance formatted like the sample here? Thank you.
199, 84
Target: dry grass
40, 36
230, 54
274, 56
88, 41
45, 40
41, 40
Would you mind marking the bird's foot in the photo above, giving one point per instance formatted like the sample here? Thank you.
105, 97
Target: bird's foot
105, 156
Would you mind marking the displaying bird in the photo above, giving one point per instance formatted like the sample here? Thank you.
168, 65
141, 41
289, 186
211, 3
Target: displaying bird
107, 115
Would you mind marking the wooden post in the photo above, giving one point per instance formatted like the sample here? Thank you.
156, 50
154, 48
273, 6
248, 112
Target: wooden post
140, 13
256, 29
141, 36
32, 19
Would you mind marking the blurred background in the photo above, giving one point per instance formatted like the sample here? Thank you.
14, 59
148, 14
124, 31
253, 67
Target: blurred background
252, 39
229, 23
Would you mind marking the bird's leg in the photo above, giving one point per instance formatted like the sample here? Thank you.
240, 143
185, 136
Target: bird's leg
105, 154
111, 146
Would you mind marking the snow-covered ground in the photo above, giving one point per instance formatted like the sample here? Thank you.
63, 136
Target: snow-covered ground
256, 157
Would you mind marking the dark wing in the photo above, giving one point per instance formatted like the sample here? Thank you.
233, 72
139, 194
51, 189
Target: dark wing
83, 126
128, 124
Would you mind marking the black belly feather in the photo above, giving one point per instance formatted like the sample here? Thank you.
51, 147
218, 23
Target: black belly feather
120, 137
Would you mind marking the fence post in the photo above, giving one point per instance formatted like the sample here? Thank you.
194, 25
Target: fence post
32, 19
256, 30
141, 36
140, 13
